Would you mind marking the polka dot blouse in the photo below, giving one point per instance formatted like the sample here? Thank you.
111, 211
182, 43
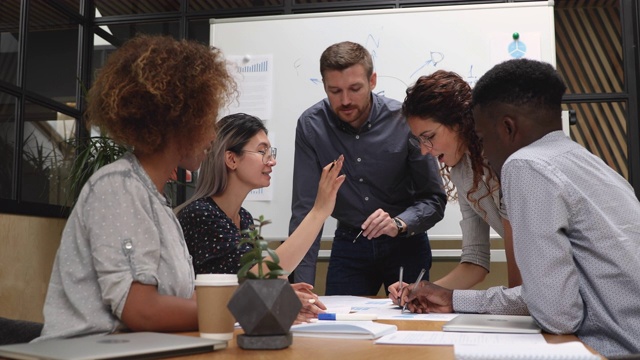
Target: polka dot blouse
212, 238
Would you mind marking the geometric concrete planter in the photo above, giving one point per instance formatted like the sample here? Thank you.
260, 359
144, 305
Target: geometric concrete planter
265, 309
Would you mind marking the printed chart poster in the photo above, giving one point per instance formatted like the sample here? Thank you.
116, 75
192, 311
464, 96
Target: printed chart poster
254, 75
262, 194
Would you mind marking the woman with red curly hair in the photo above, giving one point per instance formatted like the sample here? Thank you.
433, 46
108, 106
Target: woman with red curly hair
438, 112
123, 263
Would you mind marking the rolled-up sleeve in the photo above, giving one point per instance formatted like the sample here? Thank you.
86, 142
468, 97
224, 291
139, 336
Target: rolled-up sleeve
124, 248
476, 248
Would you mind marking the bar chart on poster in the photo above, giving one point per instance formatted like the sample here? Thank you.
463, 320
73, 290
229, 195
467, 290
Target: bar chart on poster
276, 60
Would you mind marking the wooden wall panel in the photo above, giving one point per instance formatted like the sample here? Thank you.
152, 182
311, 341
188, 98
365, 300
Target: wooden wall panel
28, 246
589, 57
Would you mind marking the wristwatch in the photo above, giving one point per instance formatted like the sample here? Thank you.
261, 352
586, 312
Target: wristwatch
399, 224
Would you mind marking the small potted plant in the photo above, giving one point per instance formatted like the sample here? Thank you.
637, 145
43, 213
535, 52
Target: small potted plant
264, 304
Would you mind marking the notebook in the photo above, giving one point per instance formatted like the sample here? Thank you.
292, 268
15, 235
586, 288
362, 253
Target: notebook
344, 329
492, 323
567, 351
137, 345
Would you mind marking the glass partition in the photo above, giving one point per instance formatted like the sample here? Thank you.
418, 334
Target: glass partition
47, 155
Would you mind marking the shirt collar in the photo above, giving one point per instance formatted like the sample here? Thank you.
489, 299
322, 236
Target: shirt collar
146, 180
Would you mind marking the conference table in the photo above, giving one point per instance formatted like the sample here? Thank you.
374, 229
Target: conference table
335, 349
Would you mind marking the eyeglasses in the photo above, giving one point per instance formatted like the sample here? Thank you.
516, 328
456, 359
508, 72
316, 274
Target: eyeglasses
267, 155
419, 140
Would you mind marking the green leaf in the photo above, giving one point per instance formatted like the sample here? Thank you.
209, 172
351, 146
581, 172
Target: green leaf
244, 271
276, 273
250, 257
272, 266
255, 257
274, 255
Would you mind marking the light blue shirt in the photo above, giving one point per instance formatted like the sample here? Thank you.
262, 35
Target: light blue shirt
121, 230
485, 211
576, 230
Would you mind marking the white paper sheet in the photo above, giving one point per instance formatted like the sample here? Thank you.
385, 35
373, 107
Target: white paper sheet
384, 308
451, 338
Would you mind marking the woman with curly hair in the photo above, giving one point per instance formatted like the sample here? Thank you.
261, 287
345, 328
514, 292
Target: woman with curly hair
123, 263
438, 112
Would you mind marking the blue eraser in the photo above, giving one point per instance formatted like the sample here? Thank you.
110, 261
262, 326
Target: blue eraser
326, 316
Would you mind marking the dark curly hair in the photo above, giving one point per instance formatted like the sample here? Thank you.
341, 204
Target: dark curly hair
155, 88
521, 82
446, 98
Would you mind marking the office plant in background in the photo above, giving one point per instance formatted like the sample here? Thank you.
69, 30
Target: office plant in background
97, 151
264, 305
93, 153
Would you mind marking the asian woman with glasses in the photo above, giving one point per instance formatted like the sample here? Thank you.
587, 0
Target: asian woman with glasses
438, 112
213, 219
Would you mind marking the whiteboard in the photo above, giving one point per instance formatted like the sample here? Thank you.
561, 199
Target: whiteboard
404, 43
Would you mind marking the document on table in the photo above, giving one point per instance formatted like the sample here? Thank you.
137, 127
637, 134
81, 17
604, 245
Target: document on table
573, 350
384, 308
451, 338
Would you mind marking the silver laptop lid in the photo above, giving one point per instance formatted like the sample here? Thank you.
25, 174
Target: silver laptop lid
137, 345
492, 324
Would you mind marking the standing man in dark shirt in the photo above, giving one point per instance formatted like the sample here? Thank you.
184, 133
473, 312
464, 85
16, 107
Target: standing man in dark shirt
393, 194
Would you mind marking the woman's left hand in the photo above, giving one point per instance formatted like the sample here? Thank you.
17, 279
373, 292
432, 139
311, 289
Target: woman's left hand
311, 304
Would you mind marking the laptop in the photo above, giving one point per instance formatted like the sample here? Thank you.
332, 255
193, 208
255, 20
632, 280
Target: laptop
515, 324
136, 345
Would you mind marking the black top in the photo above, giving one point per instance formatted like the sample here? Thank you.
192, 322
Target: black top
212, 238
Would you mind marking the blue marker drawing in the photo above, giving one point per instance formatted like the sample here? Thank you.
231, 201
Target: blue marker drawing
517, 49
436, 57
375, 42
316, 81
471, 79
373, 49
296, 65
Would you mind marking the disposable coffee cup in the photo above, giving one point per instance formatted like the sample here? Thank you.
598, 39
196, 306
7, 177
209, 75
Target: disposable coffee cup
213, 292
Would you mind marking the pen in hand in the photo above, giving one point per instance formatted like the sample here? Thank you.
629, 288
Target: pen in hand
400, 281
332, 165
413, 289
357, 236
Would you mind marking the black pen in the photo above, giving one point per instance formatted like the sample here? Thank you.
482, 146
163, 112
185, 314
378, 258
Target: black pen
415, 284
332, 165
400, 281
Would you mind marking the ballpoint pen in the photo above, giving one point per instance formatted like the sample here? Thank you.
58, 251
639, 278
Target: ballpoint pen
332, 165
400, 281
415, 284
357, 236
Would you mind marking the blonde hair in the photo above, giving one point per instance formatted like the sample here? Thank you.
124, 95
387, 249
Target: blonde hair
234, 132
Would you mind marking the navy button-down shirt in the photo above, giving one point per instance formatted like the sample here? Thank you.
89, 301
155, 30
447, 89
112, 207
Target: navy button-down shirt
383, 170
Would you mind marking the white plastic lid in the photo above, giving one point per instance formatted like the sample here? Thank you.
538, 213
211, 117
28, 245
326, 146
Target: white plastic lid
216, 279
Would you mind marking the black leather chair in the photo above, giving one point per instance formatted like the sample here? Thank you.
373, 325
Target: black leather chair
18, 331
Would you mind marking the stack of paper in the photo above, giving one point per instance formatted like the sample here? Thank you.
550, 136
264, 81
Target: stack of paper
458, 338
344, 329
567, 351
